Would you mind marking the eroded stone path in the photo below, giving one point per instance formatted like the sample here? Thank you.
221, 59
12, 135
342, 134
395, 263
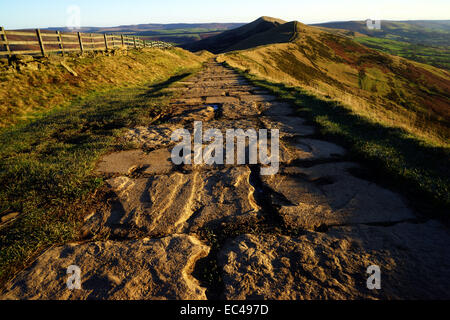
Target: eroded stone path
308, 232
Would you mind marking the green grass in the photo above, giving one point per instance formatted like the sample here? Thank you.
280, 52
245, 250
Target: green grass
46, 166
178, 36
433, 55
177, 31
430, 33
396, 159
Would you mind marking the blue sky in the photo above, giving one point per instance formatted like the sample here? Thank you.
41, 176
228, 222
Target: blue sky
53, 13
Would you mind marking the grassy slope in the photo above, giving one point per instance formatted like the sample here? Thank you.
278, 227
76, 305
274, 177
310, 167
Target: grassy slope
23, 93
431, 33
421, 41
432, 55
388, 89
390, 112
223, 41
397, 159
278, 34
46, 162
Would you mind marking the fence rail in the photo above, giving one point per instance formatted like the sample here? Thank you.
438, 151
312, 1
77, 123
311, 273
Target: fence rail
44, 42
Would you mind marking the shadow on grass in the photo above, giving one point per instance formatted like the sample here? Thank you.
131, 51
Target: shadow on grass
165, 84
397, 160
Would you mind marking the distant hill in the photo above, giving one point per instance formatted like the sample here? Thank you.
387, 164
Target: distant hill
156, 26
245, 35
177, 33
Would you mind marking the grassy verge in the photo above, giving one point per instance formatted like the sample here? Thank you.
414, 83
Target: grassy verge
46, 166
396, 158
25, 92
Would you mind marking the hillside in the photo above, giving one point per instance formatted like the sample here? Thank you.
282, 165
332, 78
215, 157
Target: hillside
390, 89
438, 56
431, 33
422, 41
223, 41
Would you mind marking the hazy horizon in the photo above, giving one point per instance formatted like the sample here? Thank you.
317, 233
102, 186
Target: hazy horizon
103, 13
216, 22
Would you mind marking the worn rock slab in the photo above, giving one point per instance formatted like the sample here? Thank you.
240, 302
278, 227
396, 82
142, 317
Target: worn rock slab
288, 126
328, 194
152, 137
222, 99
312, 149
124, 162
240, 110
414, 260
305, 150
256, 97
226, 194
234, 124
190, 101
187, 114
156, 206
168, 204
219, 83
110, 270
278, 109
203, 92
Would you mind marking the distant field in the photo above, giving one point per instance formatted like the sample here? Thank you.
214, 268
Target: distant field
175, 33
430, 33
421, 41
179, 36
435, 56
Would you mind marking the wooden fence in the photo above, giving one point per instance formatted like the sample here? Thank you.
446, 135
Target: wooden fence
42, 43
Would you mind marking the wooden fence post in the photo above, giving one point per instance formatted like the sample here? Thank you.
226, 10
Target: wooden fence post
41, 43
60, 42
144, 43
121, 38
106, 41
134, 40
113, 40
5, 39
80, 40
92, 42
